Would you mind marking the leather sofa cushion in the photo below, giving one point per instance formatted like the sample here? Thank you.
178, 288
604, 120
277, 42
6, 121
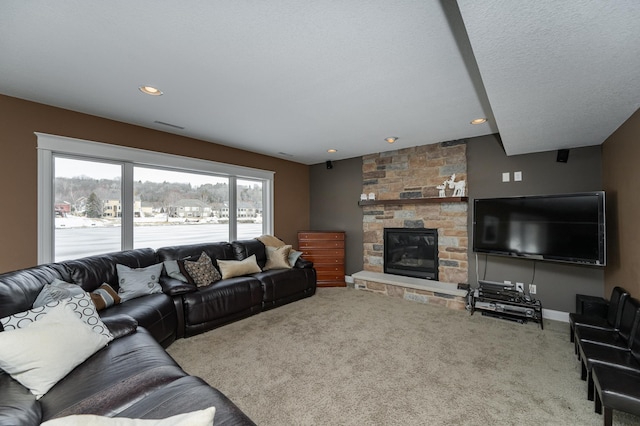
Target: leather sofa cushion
120, 325
19, 289
245, 248
109, 381
185, 395
155, 312
222, 299
18, 406
215, 251
281, 283
91, 272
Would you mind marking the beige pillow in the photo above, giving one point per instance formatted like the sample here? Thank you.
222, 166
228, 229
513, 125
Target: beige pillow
278, 258
236, 268
270, 240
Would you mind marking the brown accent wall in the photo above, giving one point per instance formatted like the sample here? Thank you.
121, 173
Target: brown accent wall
19, 119
621, 175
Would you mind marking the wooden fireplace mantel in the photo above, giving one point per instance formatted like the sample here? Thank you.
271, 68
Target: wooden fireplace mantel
430, 200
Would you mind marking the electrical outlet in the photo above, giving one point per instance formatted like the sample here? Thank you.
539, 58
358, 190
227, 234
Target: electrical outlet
520, 287
532, 289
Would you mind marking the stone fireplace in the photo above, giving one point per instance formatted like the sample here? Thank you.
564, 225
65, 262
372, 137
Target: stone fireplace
404, 183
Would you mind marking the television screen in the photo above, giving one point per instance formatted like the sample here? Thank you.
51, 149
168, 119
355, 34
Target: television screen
565, 228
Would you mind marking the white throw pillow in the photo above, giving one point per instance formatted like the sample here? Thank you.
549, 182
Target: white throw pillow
136, 282
195, 418
41, 354
81, 304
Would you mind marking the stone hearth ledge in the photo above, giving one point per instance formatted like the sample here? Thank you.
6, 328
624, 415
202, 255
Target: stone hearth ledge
414, 289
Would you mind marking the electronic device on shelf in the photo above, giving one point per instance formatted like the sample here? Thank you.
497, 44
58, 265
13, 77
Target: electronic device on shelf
502, 300
495, 286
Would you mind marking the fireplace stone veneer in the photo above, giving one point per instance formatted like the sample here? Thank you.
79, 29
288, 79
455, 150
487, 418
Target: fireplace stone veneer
413, 289
414, 173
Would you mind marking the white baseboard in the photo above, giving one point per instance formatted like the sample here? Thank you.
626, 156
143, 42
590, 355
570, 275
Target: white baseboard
555, 315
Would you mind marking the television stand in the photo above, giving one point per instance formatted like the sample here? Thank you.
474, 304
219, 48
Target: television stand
506, 304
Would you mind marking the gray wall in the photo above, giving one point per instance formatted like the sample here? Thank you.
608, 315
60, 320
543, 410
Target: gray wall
334, 205
557, 283
335, 192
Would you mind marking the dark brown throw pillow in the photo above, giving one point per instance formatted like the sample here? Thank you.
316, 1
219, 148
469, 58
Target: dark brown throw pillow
201, 272
104, 296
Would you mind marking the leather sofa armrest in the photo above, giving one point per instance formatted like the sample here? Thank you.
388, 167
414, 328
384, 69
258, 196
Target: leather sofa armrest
174, 287
120, 325
303, 264
18, 406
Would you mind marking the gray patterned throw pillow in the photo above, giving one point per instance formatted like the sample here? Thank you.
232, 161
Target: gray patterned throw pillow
202, 272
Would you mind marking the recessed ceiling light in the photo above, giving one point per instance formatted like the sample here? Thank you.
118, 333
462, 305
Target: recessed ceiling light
332, 150
479, 121
391, 139
150, 90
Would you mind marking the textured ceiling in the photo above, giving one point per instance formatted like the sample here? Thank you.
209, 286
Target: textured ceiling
292, 79
557, 74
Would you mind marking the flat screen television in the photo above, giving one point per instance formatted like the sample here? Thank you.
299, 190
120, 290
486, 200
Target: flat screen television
563, 228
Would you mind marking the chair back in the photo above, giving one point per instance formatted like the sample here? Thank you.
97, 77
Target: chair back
614, 313
629, 318
635, 339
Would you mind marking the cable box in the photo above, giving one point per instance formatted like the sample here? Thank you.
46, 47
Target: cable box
495, 286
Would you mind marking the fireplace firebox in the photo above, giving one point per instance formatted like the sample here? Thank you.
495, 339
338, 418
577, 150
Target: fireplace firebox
412, 252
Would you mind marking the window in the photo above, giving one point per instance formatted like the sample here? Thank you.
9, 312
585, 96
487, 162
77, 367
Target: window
171, 203
86, 195
249, 207
96, 198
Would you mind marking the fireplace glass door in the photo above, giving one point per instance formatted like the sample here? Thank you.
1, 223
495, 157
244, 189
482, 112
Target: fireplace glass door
412, 252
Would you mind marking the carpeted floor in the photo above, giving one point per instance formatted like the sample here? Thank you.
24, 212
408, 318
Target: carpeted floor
350, 357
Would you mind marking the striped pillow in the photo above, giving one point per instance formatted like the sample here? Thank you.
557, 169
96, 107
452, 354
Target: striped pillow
104, 296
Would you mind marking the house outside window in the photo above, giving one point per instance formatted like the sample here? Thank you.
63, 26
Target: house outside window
107, 198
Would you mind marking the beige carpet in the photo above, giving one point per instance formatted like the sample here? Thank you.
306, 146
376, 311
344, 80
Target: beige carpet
350, 357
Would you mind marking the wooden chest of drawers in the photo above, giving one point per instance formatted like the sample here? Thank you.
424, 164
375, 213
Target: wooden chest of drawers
326, 251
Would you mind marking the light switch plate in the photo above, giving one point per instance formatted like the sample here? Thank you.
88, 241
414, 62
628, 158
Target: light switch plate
506, 177
517, 176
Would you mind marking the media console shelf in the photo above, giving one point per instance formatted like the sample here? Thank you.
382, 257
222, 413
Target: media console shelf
430, 200
506, 304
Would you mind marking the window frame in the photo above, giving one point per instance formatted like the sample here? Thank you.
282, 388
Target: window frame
50, 146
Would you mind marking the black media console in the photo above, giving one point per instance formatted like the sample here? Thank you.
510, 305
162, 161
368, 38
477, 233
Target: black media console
503, 301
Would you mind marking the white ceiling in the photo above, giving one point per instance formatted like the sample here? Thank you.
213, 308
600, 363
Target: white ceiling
292, 78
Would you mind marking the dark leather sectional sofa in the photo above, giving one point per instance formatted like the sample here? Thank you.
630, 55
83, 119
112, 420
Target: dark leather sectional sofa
134, 376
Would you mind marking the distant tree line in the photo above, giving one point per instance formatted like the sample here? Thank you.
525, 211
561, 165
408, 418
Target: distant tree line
90, 193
